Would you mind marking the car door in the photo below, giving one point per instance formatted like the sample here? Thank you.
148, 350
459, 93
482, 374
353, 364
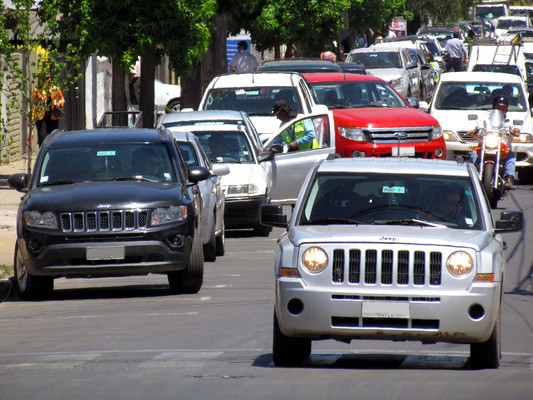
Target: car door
289, 169
412, 72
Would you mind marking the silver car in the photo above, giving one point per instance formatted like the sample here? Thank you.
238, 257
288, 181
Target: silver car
392, 249
211, 195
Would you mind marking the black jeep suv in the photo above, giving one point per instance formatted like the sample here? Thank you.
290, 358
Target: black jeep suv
113, 202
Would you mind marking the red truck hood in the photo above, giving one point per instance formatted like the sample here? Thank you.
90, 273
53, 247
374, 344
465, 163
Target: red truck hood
382, 117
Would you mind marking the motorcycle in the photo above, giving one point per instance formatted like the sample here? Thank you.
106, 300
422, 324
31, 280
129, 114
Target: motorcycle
491, 151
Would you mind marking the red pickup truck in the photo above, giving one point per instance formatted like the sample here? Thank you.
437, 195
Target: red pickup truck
373, 120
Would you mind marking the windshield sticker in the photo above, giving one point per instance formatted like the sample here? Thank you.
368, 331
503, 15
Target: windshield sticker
393, 189
104, 153
44, 179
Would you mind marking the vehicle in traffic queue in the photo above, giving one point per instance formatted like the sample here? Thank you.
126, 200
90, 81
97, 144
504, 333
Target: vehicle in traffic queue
464, 99
248, 184
255, 94
211, 228
373, 120
395, 249
103, 203
300, 65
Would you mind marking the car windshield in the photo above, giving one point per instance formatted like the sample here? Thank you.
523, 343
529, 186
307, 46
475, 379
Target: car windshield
391, 199
226, 146
506, 69
478, 96
106, 162
509, 23
361, 94
381, 59
253, 101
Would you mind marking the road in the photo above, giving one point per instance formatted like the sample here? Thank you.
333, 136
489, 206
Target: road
129, 338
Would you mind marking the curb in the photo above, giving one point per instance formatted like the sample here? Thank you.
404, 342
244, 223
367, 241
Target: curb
5, 289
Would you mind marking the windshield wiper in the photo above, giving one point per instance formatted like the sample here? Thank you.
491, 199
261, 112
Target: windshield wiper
408, 221
452, 108
58, 182
331, 221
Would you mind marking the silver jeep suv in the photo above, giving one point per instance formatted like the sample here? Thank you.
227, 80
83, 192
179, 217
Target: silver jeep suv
394, 249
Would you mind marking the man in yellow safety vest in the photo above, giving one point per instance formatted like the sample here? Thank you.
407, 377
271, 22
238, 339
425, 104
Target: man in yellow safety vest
300, 136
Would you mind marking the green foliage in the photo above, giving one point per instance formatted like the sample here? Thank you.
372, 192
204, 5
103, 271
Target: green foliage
440, 11
373, 14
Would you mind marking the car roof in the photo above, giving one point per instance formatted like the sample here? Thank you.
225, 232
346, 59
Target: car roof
208, 115
391, 165
478, 76
382, 47
210, 127
338, 76
256, 79
299, 64
108, 135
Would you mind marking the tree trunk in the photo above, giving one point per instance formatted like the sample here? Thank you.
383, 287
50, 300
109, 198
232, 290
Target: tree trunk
146, 102
118, 96
214, 63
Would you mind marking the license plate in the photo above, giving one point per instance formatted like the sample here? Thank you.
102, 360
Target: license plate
385, 309
404, 151
105, 253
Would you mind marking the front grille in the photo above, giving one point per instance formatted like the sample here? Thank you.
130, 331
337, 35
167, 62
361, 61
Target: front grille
104, 221
386, 267
407, 134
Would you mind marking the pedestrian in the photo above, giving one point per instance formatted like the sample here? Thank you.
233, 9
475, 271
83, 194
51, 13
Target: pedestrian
300, 136
135, 82
47, 108
291, 52
457, 51
328, 54
243, 61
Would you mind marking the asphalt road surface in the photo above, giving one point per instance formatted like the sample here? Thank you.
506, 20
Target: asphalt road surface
129, 338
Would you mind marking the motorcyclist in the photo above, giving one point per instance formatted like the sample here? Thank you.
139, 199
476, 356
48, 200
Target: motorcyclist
501, 103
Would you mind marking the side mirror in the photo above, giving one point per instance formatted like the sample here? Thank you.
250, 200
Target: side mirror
276, 148
266, 155
413, 101
272, 215
220, 170
410, 65
18, 182
510, 221
197, 174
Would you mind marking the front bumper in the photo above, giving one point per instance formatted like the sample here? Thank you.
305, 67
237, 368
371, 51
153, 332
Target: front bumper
436, 316
243, 211
417, 150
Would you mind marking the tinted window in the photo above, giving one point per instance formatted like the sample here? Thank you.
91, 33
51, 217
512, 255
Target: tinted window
226, 146
376, 60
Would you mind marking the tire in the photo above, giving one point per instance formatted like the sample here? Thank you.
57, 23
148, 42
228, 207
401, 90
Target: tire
173, 106
221, 243
262, 230
487, 179
287, 351
525, 175
27, 286
189, 280
488, 354
210, 248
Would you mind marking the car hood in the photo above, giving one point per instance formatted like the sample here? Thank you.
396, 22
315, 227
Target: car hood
387, 74
105, 195
243, 174
391, 234
382, 117
457, 120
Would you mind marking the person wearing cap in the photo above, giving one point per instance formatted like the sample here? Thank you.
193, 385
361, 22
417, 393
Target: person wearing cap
501, 102
300, 136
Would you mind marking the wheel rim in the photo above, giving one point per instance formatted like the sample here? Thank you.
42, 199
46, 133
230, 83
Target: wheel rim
22, 275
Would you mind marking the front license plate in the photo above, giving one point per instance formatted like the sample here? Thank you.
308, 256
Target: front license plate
385, 309
404, 151
105, 253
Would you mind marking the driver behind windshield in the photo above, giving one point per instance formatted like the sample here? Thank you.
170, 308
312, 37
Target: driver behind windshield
221, 146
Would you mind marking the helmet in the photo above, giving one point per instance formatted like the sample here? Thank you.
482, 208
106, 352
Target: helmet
500, 100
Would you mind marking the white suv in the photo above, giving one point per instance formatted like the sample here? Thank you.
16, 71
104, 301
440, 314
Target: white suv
255, 94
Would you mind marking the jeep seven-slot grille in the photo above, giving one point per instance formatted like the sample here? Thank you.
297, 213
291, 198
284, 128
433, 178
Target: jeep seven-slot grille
104, 221
386, 267
406, 134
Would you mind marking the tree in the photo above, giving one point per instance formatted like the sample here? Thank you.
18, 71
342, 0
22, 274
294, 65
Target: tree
438, 11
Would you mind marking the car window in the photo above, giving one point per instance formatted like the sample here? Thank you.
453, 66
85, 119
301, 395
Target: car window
253, 101
317, 126
226, 146
111, 161
506, 69
380, 59
385, 198
356, 94
478, 96
189, 154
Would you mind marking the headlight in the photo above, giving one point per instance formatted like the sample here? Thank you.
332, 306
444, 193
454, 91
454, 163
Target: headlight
243, 189
396, 82
523, 138
437, 132
315, 260
352, 134
491, 141
40, 220
459, 264
170, 214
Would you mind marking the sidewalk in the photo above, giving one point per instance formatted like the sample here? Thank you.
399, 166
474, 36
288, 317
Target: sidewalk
9, 201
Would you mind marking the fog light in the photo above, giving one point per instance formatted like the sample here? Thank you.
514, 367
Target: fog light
295, 306
476, 311
438, 153
358, 154
176, 240
33, 245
